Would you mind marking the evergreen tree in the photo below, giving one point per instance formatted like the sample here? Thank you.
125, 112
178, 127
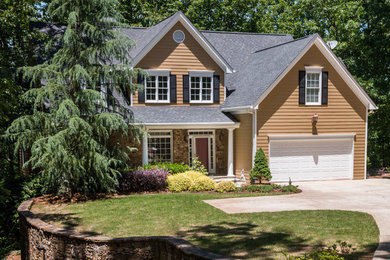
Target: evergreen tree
75, 115
260, 170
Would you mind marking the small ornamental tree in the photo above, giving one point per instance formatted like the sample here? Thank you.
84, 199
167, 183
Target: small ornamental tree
75, 96
260, 170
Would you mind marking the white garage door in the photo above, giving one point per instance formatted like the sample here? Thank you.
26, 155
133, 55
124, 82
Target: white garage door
311, 158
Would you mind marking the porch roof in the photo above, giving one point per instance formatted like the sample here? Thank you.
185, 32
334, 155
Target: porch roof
189, 115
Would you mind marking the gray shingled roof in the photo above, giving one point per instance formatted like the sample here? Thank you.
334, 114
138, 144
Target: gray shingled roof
142, 36
236, 47
181, 115
261, 70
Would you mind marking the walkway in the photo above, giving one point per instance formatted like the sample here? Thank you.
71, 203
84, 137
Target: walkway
371, 196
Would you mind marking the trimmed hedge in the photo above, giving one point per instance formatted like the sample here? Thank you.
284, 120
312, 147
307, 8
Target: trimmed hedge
143, 180
190, 181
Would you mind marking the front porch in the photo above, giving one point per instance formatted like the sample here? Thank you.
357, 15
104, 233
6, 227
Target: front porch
213, 148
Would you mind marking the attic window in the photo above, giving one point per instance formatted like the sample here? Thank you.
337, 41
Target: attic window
179, 36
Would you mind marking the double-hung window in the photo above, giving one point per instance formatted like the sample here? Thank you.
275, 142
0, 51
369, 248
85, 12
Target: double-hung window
201, 86
157, 86
313, 85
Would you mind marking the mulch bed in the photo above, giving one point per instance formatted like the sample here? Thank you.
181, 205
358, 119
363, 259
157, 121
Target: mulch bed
383, 176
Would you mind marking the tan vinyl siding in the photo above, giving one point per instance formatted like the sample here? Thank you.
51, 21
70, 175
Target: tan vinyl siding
280, 112
180, 58
242, 145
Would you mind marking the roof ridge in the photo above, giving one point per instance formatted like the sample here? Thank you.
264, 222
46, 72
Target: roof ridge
251, 33
295, 40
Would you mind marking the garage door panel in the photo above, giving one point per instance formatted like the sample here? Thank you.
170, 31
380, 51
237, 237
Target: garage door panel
311, 159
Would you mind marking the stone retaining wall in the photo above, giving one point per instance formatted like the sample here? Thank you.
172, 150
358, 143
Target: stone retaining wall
40, 240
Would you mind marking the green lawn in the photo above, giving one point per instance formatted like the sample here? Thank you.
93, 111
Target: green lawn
255, 235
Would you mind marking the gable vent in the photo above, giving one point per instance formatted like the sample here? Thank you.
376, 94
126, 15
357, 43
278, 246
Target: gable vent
179, 36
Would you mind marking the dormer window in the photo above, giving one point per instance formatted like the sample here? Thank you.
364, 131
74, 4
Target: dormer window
157, 86
313, 85
201, 86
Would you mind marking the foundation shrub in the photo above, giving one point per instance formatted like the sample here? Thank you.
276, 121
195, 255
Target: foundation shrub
190, 181
202, 183
225, 186
143, 180
179, 182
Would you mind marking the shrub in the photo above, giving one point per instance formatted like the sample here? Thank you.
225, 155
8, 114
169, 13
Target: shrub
143, 180
289, 188
172, 168
190, 180
330, 253
198, 166
225, 186
179, 182
203, 183
260, 170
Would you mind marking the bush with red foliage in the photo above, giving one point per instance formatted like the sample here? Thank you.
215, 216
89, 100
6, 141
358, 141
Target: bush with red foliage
143, 180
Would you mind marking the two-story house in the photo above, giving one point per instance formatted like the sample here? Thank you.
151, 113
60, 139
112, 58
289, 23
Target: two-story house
220, 96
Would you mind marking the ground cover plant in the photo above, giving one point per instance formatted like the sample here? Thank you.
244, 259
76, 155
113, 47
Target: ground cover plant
185, 215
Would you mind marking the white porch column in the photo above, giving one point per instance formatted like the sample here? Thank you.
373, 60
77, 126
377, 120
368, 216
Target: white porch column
254, 135
145, 149
230, 153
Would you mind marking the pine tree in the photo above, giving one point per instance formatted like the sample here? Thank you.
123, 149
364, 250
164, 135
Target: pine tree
260, 170
75, 115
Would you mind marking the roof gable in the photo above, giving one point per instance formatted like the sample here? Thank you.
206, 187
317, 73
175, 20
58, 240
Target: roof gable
155, 33
266, 68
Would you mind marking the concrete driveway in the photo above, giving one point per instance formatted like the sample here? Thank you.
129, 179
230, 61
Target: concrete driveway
371, 196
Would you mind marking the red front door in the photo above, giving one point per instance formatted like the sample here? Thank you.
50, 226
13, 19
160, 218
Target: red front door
202, 151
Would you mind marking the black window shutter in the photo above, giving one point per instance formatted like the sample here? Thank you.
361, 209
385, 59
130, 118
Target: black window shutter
172, 90
126, 94
324, 90
216, 88
186, 88
141, 92
302, 83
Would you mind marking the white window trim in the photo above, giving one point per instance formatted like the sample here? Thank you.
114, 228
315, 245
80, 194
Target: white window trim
314, 70
169, 133
210, 136
200, 74
157, 73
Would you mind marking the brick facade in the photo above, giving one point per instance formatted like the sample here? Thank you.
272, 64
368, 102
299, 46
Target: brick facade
180, 146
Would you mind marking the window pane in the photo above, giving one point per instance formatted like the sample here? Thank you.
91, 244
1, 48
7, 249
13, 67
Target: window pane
312, 87
195, 88
151, 88
162, 88
206, 88
159, 149
312, 95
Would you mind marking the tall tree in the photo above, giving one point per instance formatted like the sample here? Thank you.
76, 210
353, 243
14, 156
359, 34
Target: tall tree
373, 67
72, 124
16, 40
